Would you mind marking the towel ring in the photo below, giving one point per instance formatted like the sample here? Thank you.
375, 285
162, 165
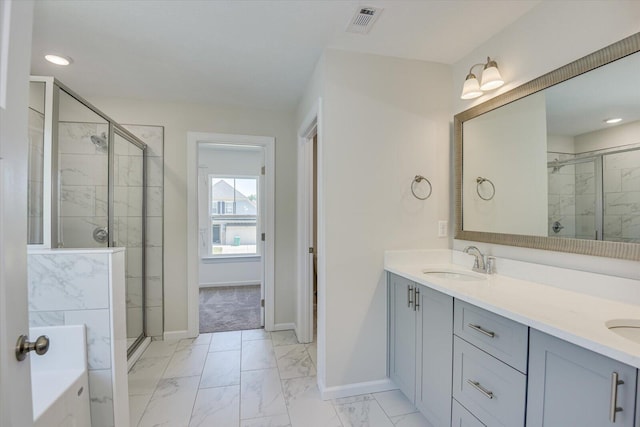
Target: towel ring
480, 180
417, 180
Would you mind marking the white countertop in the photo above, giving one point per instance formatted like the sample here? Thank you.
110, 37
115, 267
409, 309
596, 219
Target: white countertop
572, 316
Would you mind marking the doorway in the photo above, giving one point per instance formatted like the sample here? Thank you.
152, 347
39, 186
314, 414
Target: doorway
230, 232
230, 215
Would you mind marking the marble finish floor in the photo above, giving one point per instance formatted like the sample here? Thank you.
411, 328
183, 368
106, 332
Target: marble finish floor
229, 308
249, 378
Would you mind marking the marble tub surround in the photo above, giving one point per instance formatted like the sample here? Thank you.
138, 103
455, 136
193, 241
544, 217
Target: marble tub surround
87, 287
548, 300
226, 391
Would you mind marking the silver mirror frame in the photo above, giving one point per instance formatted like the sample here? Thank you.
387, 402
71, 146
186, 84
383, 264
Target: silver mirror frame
599, 248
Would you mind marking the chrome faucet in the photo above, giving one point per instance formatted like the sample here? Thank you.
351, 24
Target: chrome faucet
482, 263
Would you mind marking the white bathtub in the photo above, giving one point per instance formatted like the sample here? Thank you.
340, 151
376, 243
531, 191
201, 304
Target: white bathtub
59, 380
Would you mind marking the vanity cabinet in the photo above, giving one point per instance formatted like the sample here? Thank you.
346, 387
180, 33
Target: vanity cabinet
572, 386
420, 359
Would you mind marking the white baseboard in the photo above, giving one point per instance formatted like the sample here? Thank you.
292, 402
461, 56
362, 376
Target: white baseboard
284, 326
177, 335
229, 284
355, 389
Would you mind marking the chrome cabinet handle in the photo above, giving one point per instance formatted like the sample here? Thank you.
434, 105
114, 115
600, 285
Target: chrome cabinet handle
614, 408
481, 330
416, 300
409, 295
486, 393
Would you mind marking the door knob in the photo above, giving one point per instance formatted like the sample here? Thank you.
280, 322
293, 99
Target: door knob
23, 346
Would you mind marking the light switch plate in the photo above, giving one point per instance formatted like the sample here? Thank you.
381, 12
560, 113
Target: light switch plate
442, 228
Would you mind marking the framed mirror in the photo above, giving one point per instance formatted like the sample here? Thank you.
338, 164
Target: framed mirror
545, 165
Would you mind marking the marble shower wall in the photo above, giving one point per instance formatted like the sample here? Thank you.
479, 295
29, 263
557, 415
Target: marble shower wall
585, 200
153, 136
36, 177
621, 186
84, 180
562, 196
74, 287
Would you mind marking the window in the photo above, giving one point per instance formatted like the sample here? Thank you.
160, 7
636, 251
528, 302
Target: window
233, 206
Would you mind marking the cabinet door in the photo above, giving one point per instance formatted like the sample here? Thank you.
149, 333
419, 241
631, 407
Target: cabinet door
572, 386
402, 335
434, 357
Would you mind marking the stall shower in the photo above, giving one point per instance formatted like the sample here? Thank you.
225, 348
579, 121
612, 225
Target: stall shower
87, 187
595, 195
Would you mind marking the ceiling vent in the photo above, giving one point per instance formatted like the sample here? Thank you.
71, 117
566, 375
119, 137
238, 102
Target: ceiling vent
364, 19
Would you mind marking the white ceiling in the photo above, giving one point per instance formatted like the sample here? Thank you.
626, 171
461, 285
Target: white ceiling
248, 53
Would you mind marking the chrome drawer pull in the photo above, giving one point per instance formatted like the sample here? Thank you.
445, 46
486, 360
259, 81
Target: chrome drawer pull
482, 331
614, 409
416, 299
409, 295
488, 394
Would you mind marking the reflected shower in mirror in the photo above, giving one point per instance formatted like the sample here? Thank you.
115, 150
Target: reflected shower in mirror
35, 200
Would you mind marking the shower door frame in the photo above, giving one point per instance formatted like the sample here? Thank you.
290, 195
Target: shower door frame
51, 207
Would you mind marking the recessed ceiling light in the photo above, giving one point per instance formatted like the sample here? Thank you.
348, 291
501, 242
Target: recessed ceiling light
58, 60
613, 121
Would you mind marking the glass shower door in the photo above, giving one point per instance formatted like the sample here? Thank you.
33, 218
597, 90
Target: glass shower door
127, 225
621, 188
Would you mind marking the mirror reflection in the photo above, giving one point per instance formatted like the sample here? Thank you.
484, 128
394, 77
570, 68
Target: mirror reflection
560, 165
35, 185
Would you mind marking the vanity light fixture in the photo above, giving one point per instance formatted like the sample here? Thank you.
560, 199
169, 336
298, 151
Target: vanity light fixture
613, 121
490, 79
58, 60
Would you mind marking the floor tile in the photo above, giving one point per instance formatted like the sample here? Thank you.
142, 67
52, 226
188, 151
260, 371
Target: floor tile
294, 361
202, 339
218, 407
255, 334
306, 408
145, 374
312, 349
279, 338
353, 399
364, 413
411, 420
171, 403
258, 355
394, 403
225, 341
222, 368
187, 362
160, 349
261, 394
137, 405
276, 421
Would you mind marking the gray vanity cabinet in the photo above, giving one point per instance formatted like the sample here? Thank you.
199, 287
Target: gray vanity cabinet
572, 386
420, 350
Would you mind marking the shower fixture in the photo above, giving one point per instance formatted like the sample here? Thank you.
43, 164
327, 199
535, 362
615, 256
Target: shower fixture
555, 165
100, 141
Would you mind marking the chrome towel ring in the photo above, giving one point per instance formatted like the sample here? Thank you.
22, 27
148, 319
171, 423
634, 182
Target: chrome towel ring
417, 180
479, 181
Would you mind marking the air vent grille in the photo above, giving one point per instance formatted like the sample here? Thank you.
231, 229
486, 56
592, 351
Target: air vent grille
363, 20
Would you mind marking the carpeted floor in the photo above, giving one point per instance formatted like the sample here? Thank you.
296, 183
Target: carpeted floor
231, 308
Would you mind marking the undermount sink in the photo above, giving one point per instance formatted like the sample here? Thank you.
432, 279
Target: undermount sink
627, 328
449, 274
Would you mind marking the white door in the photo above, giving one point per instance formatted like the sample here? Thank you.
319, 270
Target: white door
15, 49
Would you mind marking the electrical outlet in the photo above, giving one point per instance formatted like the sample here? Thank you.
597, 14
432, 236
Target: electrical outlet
442, 228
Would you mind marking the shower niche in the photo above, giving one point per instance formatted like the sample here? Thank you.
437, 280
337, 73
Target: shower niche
87, 187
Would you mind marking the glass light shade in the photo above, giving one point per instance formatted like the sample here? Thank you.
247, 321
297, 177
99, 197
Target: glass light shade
491, 78
58, 60
471, 88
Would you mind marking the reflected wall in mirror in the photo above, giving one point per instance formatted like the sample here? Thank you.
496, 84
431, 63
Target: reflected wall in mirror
35, 199
539, 166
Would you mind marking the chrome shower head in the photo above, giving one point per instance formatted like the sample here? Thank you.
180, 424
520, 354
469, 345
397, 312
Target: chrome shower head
100, 141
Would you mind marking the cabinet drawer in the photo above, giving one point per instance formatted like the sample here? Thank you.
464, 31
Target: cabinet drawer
503, 338
463, 418
491, 390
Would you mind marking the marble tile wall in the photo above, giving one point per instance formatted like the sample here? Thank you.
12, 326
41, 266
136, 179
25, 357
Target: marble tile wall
153, 136
562, 196
73, 288
84, 179
585, 200
36, 177
621, 187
